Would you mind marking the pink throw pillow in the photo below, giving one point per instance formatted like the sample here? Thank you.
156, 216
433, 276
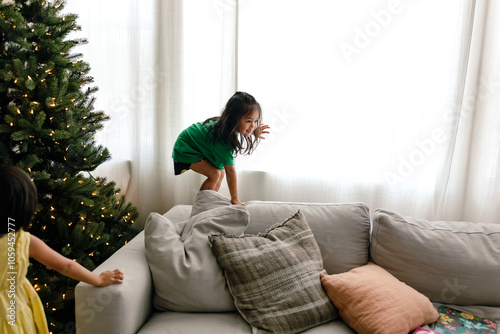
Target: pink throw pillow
372, 301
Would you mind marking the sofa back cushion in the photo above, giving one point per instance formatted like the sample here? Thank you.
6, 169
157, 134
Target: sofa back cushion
342, 231
449, 262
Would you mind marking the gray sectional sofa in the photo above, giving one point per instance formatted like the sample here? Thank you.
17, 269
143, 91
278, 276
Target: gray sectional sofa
173, 283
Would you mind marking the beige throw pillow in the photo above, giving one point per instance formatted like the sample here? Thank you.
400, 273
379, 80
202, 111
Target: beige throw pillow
186, 275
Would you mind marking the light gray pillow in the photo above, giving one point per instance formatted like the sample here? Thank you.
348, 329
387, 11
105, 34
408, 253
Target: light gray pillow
449, 262
207, 200
186, 275
342, 230
274, 277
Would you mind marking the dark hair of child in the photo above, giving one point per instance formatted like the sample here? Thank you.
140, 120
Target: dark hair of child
18, 198
226, 128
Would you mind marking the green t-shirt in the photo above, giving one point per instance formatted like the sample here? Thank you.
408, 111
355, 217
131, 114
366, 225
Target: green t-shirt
195, 144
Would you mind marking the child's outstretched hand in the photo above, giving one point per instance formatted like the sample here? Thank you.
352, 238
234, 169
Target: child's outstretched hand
259, 133
110, 277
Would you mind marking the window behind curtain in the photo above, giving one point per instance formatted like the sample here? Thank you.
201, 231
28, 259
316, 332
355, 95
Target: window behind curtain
363, 97
358, 94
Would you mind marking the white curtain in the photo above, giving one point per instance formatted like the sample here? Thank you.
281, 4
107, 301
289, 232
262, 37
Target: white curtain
160, 66
473, 188
391, 103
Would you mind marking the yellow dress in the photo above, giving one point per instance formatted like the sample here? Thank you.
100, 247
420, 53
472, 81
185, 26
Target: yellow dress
21, 308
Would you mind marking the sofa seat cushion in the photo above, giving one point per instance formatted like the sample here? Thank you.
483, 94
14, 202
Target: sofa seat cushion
372, 301
342, 230
219, 323
274, 277
186, 275
449, 262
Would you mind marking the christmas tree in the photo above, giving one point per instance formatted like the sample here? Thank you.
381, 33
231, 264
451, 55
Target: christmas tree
47, 128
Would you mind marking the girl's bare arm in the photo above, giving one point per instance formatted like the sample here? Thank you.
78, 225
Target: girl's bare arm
52, 259
232, 183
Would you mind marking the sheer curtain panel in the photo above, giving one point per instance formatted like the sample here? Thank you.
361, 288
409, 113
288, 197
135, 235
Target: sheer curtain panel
394, 103
160, 66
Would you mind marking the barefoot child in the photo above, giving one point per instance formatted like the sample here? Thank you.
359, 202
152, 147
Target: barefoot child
209, 147
18, 197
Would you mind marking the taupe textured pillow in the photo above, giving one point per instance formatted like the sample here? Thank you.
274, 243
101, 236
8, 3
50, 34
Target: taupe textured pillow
449, 262
274, 277
185, 272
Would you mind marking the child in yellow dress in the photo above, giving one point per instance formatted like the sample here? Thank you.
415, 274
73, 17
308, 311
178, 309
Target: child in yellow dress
21, 307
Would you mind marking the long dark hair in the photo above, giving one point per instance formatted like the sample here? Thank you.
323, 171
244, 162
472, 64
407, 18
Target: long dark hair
18, 198
226, 128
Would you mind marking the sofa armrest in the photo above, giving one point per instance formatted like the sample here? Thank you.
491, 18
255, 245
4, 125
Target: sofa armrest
118, 308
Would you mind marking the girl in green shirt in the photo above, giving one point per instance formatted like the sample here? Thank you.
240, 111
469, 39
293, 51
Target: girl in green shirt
209, 147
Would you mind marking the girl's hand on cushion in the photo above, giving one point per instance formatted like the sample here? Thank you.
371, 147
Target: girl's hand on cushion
236, 202
110, 277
